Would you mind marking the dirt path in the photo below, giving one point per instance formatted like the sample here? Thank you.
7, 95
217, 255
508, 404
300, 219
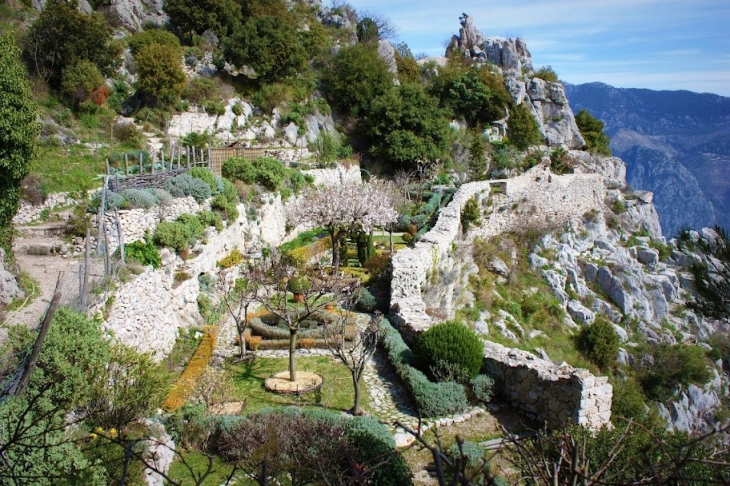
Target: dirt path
44, 271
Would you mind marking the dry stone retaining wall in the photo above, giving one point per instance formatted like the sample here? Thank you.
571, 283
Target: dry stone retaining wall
552, 394
537, 199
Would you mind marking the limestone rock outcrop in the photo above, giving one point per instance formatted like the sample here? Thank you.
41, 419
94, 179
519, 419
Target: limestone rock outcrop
9, 289
545, 99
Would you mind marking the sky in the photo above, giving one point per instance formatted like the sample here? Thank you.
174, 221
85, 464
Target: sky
654, 44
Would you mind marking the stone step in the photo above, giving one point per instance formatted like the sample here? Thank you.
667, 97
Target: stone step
43, 230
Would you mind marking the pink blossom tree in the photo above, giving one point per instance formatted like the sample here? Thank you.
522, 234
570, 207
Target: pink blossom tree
345, 208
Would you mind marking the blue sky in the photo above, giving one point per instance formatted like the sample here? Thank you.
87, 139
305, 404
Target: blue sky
655, 44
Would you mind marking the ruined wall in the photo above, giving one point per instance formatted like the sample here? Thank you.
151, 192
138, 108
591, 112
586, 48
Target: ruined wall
536, 199
548, 393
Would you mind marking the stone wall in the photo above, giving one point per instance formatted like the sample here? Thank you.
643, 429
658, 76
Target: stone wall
334, 177
536, 199
135, 222
28, 213
550, 394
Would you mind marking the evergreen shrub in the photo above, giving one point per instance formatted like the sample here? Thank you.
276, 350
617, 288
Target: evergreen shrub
138, 198
452, 342
599, 343
366, 302
482, 386
432, 399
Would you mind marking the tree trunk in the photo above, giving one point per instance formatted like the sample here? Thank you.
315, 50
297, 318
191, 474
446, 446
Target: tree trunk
356, 385
391, 241
335, 237
292, 354
242, 329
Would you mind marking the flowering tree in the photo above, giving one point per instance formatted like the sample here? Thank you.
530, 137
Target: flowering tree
346, 208
239, 295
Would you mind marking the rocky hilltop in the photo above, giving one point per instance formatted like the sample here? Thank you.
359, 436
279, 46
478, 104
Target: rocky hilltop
546, 100
674, 144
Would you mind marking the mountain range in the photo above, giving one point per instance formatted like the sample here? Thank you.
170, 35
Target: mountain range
675, 144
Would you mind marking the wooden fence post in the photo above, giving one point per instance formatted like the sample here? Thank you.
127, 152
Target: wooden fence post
126, 165
141, 165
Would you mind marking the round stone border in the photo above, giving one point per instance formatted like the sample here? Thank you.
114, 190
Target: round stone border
280, 383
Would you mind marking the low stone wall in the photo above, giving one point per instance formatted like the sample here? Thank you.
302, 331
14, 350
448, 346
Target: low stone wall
28, 213
550, 394
135, 222
536, 199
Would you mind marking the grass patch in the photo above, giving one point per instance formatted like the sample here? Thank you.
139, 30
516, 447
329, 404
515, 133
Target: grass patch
385, 240
303, 239
64, 172
337, 392
32, 291
200, 470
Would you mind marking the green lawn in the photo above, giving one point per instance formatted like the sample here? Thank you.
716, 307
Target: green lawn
336, 394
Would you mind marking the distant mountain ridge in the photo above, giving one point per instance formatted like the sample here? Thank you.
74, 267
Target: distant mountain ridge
675, 143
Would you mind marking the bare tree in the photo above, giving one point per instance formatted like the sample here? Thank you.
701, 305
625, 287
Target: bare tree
356, 354
239, 295
343, 209
318, 290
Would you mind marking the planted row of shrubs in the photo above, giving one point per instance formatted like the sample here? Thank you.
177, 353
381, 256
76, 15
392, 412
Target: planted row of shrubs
431, 399
194, 370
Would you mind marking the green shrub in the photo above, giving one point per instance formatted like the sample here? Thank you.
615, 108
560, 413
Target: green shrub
172, 235
215, 108
193, 225
152, 36
197, 140
235, 257
470, 214
629, 400
592, 130
229, 191
199, 90
546, 73
227, 209
472, 454
452, 342
506, 157
522, 128
206, 176
298, 284
431, 399
265, 171
365, 301
113, 201
162, 197
482, 386
237, 109
144, 252
599, 343
210, 218
138, 198
374, 442
185, 185
674, 367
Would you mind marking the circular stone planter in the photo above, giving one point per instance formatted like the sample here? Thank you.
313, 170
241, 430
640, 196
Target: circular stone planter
306, 382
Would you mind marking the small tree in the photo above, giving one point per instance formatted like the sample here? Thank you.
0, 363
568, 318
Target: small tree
592, 130
17, 134
80, 81
239, 296
321, 290
357, 354
599, 343
522, 128
344, 209
159, 72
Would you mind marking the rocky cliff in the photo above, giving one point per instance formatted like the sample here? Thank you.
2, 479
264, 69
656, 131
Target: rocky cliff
675, 144
546, 100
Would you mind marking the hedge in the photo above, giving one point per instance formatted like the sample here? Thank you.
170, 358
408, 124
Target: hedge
184, 386
303, 254
432, 399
